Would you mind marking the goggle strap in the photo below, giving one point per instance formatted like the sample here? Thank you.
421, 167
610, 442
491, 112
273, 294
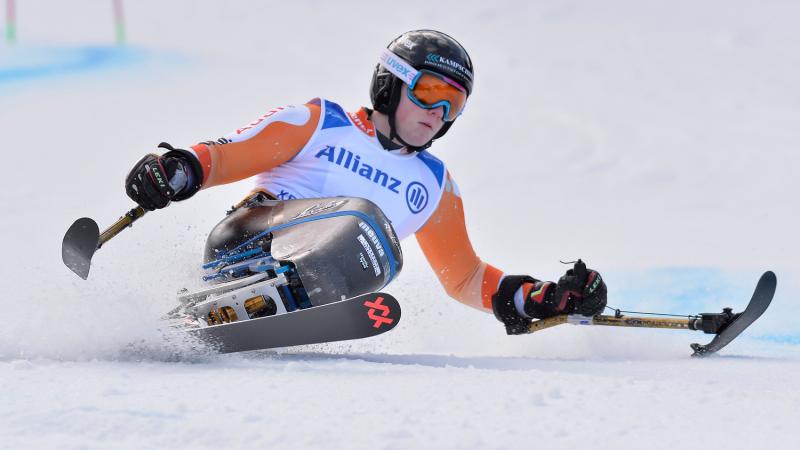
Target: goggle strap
398, 67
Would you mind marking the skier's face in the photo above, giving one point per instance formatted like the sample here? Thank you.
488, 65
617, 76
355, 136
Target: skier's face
416, 125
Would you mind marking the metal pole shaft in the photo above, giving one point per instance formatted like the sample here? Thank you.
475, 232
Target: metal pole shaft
123, 222
642, 322
538, 325
622, 321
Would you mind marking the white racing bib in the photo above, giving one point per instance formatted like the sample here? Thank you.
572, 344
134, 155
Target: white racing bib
342, 160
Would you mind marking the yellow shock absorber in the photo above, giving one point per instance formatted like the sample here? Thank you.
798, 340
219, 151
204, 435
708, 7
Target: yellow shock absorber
224, 314
260, 306
254, 305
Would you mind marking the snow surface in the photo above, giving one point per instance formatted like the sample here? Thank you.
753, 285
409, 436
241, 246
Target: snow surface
657, 140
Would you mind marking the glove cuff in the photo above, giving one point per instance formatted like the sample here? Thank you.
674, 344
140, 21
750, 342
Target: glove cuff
548, 300
191, 164
503, 304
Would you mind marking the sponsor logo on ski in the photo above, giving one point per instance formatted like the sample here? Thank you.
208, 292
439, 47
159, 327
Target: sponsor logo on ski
376, 306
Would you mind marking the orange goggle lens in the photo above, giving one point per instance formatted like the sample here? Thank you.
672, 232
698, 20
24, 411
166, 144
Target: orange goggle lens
432, 91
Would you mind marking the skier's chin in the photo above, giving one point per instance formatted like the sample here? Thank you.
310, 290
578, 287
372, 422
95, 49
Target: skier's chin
419, 135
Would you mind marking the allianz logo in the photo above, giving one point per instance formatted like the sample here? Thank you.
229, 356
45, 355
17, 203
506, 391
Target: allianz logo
346, 159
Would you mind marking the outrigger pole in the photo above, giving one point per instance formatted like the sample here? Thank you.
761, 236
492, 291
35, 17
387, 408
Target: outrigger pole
83, 238
725, 325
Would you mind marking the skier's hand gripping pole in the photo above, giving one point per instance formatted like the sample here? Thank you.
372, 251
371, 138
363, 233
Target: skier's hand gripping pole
726, 326
153, 182
521, 298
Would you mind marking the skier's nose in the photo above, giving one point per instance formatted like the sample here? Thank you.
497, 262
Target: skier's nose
437, 112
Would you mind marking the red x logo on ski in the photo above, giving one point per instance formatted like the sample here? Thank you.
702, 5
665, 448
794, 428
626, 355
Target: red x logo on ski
376, 306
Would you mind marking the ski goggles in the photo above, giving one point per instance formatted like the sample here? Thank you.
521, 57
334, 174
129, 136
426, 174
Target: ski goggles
427, 89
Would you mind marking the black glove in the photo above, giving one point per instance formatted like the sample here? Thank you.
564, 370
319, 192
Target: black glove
156, 180
584, 288
580, 291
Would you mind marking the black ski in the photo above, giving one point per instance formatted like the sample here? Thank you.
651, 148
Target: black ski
355, 318
736, 323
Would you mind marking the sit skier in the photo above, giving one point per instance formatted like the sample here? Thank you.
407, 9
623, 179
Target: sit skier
419, 88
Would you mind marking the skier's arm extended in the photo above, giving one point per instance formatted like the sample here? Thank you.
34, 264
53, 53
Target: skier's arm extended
270, 141
273, 139
446, 245
514, 299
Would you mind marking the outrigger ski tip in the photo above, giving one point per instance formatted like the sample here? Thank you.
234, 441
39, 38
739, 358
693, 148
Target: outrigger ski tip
83, 239
726, 326
80, 242
731, 325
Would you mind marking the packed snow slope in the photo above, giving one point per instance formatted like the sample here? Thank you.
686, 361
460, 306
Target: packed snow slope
656, 140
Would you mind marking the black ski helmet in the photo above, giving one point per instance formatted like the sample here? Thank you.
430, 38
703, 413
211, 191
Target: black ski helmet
422, 49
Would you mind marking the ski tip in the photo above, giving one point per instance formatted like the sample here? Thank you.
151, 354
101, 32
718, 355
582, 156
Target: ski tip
767, 283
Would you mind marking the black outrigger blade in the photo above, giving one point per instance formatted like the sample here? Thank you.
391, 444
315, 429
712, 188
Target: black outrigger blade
725, 325
80, 242
83, 238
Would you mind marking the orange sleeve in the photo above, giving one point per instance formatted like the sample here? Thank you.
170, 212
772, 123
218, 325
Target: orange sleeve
257, 147
446, 245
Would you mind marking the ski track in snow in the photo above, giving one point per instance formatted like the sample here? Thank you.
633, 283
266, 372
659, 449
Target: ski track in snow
671, 128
